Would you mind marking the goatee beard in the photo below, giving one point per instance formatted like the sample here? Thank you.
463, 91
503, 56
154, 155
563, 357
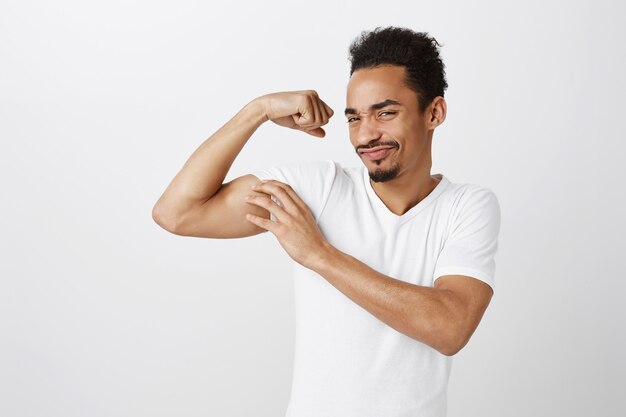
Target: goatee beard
382, 175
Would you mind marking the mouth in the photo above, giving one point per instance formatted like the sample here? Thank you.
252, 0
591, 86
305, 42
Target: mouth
376, 154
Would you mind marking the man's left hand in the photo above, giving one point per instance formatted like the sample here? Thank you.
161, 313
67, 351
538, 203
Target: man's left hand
295, 227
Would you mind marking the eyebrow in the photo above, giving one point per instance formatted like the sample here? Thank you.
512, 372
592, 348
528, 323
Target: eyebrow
377, 106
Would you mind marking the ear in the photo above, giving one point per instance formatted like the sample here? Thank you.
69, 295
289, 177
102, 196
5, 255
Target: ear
437, 112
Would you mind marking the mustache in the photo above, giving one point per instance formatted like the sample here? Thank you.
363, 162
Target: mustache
376, 145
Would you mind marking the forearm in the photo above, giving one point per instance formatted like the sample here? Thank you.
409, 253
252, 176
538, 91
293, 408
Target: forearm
422, 313
204, 172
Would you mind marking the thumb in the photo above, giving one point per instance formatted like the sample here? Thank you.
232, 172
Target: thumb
303, 117
318, 132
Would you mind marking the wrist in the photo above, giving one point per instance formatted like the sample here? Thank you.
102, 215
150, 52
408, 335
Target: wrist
323, 258
258, 110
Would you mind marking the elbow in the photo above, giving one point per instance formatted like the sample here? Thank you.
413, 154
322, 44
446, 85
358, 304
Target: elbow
448, 339
458, 340
166, 219
450, 347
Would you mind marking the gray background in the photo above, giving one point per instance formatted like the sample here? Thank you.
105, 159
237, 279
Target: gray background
103, 313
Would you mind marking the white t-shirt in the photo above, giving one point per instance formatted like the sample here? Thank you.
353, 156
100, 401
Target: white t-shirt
349, 363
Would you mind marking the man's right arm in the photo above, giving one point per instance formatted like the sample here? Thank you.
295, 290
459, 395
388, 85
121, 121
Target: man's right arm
197, 203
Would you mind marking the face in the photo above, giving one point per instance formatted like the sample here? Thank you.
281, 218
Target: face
382, 113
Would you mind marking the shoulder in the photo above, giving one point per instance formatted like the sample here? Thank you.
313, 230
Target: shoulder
469, 193
312, 164
329, 171
472, 200
298, 172
312, 180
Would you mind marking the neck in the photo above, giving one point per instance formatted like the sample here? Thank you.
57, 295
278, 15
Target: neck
405, 192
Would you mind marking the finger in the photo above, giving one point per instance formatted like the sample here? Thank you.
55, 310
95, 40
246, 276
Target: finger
280, 203
323, 112
317, 132
286, 195
307, 113
329, 111
268, 204
316, 109
261, 222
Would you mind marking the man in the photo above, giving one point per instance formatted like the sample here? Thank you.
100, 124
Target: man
394, 266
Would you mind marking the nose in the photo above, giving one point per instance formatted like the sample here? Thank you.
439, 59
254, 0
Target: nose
367, 132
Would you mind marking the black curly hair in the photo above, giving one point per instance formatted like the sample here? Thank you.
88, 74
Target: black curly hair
416, 51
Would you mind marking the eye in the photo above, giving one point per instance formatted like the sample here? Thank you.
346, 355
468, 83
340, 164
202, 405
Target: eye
387, 112
350, 119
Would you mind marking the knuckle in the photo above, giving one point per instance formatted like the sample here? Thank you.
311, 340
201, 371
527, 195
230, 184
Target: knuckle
305, 104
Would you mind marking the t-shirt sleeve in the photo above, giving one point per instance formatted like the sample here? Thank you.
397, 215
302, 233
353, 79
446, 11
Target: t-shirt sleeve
311, 180
471, 246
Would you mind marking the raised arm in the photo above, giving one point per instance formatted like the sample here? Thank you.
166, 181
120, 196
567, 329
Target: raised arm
197, 202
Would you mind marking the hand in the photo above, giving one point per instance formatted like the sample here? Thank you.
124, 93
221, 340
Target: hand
301, 110
295, 227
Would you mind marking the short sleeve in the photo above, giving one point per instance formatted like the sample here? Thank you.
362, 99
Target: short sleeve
471, 246
311, 180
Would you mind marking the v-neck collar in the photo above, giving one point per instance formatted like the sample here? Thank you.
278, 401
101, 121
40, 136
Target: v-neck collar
390, 216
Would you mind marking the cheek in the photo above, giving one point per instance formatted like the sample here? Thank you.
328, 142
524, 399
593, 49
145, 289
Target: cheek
353, 134
396, 134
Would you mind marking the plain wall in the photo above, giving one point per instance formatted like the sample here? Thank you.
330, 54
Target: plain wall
103, 313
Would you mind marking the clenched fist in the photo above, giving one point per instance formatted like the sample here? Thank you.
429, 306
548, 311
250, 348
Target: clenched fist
301, 110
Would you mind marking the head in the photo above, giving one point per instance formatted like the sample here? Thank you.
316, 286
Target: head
395, 99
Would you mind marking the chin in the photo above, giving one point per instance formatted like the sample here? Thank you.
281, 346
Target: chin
384, 174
